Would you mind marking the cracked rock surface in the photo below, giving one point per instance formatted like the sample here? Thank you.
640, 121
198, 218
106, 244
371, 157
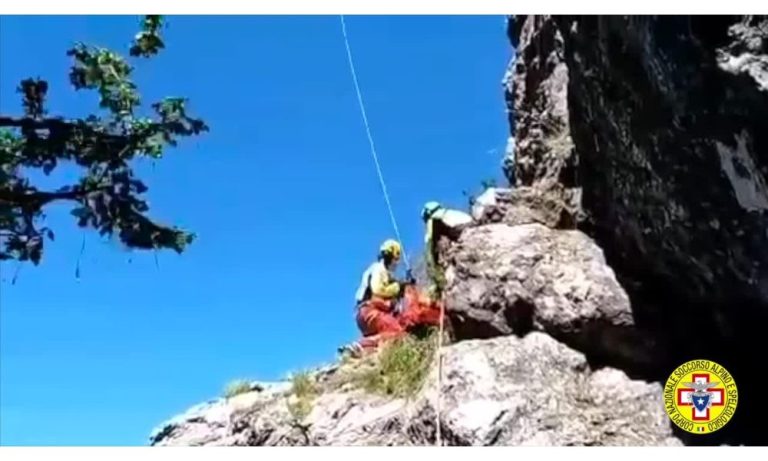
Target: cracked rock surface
508, 390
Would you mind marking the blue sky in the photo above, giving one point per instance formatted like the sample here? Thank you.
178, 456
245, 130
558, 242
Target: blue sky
282, 193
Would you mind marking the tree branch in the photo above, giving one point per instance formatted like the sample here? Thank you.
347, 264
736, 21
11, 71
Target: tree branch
108, 197
39, 199
36, 124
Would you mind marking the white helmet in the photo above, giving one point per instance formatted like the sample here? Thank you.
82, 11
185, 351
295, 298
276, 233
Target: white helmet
429, 209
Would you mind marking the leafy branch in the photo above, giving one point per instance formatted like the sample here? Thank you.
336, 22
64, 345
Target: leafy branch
108, 197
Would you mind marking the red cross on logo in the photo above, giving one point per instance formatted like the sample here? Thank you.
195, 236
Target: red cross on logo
685, 394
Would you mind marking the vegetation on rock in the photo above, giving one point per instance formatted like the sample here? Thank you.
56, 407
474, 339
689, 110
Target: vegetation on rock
303, 392
237, 387
400, 368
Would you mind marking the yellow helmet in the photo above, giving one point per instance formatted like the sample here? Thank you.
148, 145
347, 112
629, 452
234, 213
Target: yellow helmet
391, 248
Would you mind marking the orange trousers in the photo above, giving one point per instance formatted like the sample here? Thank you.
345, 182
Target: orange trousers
377, 322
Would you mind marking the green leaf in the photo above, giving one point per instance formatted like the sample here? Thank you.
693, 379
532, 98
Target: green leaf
79, 212
148, 42
33, 93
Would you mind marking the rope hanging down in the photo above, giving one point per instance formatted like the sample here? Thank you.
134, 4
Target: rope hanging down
438, 434
370, 141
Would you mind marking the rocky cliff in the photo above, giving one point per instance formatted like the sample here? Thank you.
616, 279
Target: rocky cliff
504, 391
634, 237
649, 133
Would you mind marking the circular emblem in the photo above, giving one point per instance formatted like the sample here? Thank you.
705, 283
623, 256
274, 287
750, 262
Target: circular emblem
700, 396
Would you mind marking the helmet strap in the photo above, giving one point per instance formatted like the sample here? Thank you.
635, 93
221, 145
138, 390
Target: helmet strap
433, 211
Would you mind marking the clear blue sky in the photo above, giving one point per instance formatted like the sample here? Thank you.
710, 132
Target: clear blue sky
282, 194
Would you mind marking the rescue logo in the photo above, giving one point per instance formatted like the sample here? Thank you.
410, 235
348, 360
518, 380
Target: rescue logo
700, 396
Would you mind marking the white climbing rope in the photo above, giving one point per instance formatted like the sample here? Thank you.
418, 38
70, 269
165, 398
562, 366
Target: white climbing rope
438, 433
370, 141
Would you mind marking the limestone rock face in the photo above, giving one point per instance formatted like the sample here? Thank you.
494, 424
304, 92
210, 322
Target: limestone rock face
504, 279
653, 131
655, 127
535, 390
508, 390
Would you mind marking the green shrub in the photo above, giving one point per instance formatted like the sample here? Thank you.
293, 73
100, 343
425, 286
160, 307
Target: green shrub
401, 368
303, 384
236, 387
437, 279
304, 390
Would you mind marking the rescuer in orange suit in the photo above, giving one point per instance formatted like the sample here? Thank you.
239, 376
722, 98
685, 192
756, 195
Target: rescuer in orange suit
377, 298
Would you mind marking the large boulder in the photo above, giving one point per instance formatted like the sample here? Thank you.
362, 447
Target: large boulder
504, 279
535, 390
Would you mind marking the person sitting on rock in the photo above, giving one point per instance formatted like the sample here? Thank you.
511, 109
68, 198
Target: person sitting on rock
440, 221
376, 302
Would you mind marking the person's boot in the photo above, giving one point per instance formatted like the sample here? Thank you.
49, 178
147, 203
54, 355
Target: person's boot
354, 350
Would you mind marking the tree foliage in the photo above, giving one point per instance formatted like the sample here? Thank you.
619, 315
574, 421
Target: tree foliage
108, 196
